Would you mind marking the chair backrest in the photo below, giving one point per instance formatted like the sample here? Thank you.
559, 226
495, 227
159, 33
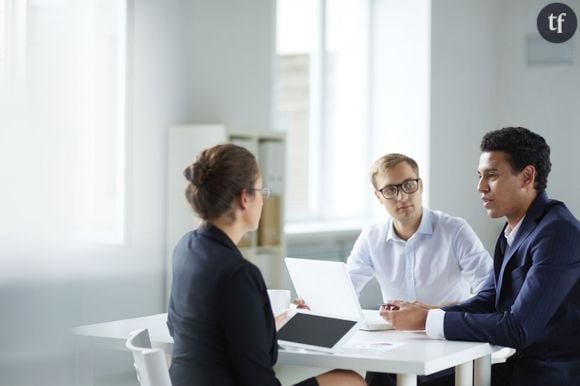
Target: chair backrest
149, 362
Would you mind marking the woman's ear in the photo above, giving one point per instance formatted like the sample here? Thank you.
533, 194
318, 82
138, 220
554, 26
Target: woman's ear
243, 199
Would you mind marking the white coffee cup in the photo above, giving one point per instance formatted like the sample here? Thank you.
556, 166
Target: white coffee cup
279, 300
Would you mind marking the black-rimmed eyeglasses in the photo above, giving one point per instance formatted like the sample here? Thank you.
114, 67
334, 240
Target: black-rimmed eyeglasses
266, 192
409, 186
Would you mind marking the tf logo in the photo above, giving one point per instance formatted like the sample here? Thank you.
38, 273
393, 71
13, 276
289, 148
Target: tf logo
557, 22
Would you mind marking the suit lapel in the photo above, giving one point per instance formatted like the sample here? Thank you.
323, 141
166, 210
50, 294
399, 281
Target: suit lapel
500, 250
533, 216
526, 228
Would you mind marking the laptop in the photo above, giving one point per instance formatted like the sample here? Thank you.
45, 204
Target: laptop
308, 330
326, 288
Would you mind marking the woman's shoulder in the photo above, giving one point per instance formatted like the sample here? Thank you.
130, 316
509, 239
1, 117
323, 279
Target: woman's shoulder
244, 267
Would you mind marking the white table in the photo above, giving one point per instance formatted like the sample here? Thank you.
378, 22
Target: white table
419, 355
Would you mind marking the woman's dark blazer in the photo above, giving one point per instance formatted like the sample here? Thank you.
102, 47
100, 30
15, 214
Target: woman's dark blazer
219, 315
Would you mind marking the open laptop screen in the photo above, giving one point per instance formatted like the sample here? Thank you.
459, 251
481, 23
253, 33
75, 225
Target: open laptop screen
325, 286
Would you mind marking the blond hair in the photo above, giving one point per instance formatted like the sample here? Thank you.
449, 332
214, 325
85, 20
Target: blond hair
389, 161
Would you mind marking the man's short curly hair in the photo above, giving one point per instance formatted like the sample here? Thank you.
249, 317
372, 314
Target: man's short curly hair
522, 147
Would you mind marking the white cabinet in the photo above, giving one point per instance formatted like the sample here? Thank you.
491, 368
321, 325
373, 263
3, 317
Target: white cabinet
266, 247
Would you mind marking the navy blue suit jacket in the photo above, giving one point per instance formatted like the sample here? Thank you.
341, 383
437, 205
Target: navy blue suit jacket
531, 300
219, 315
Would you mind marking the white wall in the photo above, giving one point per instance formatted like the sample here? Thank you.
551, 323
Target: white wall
229, 56
463, 90
400, 84
542, 97
481, 82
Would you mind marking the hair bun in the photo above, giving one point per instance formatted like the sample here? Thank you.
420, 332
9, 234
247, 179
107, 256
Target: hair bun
197, 173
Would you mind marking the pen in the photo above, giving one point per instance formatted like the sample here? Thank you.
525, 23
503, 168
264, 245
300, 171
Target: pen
381, 344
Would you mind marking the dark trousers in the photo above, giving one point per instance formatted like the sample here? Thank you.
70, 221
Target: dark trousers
501, 373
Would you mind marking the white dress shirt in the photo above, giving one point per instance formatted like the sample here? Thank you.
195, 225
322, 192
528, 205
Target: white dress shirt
435, 318
444, 261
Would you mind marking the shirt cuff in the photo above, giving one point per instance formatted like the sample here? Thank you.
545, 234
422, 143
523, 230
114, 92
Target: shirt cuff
434, 324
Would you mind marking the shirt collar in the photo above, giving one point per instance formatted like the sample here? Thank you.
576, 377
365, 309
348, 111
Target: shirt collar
425, 226
510, 235
391, 235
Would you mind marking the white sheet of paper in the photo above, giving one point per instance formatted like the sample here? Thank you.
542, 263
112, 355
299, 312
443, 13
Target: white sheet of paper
372, 348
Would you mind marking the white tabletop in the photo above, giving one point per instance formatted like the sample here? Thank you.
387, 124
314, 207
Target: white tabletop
416, 355
112, 335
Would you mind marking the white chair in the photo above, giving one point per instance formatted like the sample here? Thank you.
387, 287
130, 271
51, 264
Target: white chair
149, 362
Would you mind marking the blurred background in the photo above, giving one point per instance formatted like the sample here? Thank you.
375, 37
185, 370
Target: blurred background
89, 90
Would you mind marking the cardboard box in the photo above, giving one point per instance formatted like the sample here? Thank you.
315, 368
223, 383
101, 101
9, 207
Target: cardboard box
270, 228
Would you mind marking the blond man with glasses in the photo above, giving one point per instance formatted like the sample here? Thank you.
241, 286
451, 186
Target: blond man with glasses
416, 254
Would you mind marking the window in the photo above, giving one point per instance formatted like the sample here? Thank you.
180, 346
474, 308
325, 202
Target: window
5, 29
351, 86
3, 37
100, 189
322, 104
65, 62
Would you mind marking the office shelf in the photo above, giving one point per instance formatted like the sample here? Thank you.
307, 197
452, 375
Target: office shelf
265, 247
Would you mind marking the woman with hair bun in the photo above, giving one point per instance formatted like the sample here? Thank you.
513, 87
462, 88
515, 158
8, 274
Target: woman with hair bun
219, 310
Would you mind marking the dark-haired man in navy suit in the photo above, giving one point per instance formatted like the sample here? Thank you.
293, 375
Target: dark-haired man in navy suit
531, 301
